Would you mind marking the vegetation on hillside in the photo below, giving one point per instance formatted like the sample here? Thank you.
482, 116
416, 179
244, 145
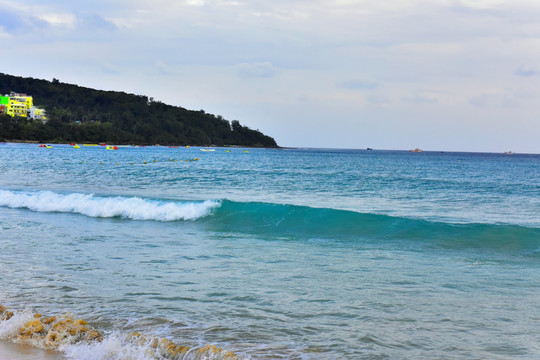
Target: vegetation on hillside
79, 114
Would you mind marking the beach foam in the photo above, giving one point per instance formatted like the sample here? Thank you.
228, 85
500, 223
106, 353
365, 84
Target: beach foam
134, 208
78, 340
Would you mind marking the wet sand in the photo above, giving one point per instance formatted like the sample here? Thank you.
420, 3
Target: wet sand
11, 351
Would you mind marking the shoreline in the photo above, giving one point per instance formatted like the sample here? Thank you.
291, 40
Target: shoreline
13, 351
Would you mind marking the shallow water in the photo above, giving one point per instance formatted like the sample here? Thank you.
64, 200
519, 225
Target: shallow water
294, 254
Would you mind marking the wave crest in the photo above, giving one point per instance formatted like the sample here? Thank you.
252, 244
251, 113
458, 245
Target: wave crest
125, 207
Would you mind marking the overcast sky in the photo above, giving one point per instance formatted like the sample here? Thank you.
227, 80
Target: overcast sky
387, 74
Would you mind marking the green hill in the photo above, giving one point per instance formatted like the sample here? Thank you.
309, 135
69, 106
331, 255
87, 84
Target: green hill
79, 114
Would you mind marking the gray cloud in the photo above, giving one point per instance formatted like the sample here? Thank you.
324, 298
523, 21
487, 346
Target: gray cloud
92, 21
522, 71
16, 23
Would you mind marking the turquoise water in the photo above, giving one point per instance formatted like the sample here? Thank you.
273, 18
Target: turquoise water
278, 254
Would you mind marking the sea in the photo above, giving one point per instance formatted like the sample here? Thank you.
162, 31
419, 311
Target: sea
242, 253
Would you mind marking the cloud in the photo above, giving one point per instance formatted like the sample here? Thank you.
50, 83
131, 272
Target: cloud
163, 69
16, 22
378, 99
93, 21
59, 19
419, 99
256, 70
506, 98
358, 85
195, 2
35, 23
522, 71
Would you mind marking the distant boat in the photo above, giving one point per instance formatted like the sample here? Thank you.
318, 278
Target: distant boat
208, 149
509, 152
369, 149
416, 150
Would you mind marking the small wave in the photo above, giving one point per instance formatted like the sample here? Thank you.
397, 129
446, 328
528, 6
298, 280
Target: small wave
125, 207
78, 340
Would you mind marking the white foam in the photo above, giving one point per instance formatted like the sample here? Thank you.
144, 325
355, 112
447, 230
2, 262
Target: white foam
10, 328
126, 207
113, 347
118, 346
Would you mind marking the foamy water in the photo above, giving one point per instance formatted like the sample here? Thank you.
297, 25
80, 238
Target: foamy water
77, 340
87, 204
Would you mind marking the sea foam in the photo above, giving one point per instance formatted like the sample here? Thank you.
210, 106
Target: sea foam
78, 340
134, 208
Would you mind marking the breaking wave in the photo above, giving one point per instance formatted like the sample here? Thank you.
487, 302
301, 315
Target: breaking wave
286, 220
134, 208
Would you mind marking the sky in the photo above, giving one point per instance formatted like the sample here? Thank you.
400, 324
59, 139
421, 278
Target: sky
448, 75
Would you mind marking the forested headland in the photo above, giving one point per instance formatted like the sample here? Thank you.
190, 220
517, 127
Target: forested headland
80, 114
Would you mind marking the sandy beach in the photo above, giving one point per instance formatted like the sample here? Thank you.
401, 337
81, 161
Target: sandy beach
11, 351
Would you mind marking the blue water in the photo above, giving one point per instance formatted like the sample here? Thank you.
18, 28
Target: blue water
278, 254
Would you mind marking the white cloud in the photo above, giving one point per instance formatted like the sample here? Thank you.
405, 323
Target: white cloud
59, 19
195, 2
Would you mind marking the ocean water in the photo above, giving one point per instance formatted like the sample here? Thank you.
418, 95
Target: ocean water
275, 254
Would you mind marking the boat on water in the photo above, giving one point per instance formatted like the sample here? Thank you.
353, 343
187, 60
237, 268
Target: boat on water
417, 150
207, 149
509, 153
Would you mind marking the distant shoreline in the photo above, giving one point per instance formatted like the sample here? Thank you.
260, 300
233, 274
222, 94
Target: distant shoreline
131, 144
283, 148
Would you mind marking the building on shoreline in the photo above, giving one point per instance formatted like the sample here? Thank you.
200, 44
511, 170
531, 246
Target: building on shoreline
22, 105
